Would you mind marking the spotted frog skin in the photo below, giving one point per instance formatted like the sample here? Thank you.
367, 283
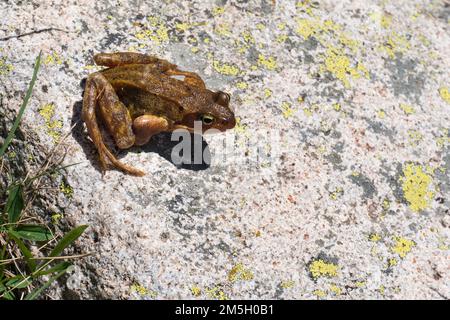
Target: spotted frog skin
139, 95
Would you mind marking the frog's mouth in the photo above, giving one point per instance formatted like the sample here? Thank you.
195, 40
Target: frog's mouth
182, 127
191, 122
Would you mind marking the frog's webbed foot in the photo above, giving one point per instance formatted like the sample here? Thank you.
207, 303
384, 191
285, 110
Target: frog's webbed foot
99, 93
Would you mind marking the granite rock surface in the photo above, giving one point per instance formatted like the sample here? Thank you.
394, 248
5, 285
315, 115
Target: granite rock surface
333, 185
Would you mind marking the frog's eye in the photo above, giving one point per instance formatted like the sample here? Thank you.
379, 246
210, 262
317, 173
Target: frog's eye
223, 98
207, 119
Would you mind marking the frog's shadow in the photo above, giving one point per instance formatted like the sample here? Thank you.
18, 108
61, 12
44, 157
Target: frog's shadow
160, 144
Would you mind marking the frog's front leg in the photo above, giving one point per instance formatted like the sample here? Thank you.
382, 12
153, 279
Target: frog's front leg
146, 126
100, 93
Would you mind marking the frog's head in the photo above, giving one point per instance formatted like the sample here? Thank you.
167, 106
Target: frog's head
213, 110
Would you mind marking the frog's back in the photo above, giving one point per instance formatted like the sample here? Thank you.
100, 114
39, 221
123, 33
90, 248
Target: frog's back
140, 102
147, 92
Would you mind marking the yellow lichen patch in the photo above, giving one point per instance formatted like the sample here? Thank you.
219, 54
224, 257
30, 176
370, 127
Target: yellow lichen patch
5, 67
66, 189
307, 28
360, 284
281, 26
392, 262
267, 93
287, 284
339, 65
386, 204
442, 244
349, 42
381, 114
319, 268
443, 139
194, 49
217, 11
374, 237
363, 70
320, 293
269, 63
242, 85
307, 112
196, 291
53, 58
287, 110
282, 38
395, 43
424, 40
216, 293
140, 289
414, 137
382, 289
402, 246
239, 272
52, 126
314, 27
335, 289
91, 67
445, 94
386, 21
182, 26
337, 107
56, 217
407, 109
260, 26
336, 193
157, 32
306, 6
225, 68
321, 149
416, 187
247, 37
240, 128
223, 29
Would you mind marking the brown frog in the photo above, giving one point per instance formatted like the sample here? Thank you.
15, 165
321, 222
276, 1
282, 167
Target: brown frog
139, 96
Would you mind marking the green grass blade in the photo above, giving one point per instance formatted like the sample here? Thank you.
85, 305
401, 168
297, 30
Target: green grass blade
7, 295
59, 267
33, 232
68, 238
26, 253
18, 282
14, 204
2, 257
22, 107
37, 292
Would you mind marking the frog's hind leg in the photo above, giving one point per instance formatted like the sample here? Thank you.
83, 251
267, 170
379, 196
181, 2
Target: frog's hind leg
99, 93
124, 58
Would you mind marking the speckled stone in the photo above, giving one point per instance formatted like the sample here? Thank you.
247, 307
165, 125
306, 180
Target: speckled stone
351, 203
